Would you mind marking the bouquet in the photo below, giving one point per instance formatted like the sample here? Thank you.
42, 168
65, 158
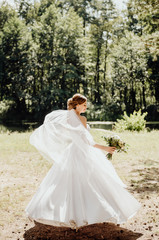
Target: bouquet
115, 141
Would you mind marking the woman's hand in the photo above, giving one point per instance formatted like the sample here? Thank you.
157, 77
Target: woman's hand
110, 149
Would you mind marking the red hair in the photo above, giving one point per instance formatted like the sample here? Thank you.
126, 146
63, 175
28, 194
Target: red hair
75, 100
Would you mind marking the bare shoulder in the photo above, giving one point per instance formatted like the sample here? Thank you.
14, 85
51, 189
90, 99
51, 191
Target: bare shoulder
84, 120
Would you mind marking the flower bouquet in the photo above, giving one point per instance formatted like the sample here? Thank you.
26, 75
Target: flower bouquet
115, 141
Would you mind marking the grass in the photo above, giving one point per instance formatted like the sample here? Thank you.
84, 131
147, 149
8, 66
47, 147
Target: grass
143, 152
22, 170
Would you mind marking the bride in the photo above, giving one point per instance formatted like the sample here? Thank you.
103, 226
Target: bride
82, 187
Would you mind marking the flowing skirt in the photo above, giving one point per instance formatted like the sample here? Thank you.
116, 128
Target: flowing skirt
82, 189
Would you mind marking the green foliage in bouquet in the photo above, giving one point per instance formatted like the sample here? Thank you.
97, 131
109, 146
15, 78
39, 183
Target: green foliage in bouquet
115, 141
135, 122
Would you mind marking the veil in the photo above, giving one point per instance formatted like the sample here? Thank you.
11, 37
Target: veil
61, 130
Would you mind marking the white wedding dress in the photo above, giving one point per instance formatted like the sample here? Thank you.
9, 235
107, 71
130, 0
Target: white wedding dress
82, 187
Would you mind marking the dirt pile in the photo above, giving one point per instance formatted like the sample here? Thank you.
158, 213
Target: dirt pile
105, 231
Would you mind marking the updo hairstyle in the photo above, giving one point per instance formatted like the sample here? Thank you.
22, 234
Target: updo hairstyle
75, 100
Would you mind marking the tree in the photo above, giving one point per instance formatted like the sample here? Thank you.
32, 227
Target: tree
6, 12
146, 13
59, 68
51, 49
130, 73
104, 15
15, 47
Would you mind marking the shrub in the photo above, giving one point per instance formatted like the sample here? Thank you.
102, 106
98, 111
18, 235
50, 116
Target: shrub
135, 122
5, 107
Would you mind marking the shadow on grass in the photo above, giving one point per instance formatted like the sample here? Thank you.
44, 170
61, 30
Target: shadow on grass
146, 180
107, 231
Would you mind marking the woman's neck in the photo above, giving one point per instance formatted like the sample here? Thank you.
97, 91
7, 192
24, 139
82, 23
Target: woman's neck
77, 112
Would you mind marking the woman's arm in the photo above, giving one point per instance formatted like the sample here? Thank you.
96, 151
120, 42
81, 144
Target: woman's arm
102, 147
105, 148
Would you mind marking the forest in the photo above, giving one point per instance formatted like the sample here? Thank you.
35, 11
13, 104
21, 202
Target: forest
51, 49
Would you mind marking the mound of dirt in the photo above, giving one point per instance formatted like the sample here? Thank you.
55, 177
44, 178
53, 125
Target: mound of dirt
106, 231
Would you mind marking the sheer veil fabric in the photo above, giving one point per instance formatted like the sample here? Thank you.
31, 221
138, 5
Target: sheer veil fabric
82, 187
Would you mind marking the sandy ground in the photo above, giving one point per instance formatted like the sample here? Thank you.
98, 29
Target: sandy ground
144, 225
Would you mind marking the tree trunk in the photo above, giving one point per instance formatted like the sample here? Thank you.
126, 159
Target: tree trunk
143, 94
97, 78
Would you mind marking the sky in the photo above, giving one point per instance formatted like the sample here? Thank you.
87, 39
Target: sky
119, 3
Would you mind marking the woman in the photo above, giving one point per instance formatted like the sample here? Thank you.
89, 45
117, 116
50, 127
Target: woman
82, 187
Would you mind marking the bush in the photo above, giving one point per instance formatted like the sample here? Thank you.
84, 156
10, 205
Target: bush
5, 107
135, 122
